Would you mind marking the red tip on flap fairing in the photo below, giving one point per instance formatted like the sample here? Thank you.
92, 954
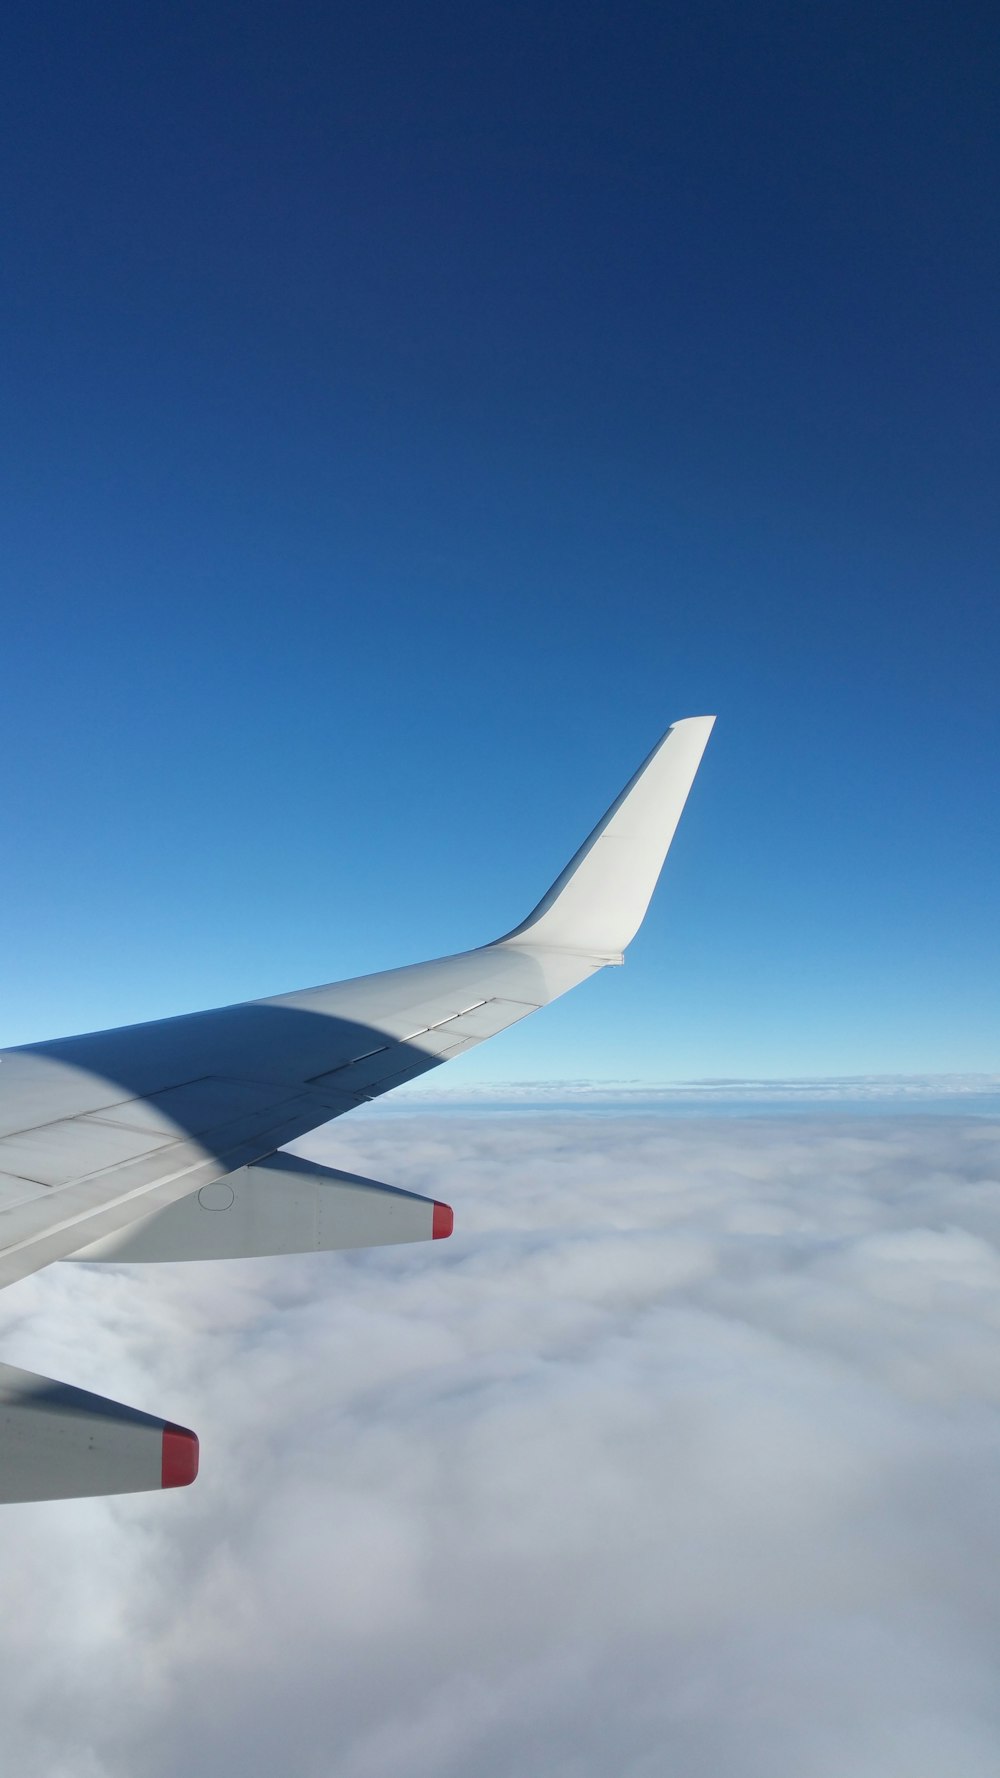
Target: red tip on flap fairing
444, 1222
180, 1457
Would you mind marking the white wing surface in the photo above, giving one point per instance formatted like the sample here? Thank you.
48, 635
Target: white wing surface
100, 1131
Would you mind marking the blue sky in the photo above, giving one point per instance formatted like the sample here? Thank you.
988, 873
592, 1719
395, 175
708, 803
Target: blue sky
407, 412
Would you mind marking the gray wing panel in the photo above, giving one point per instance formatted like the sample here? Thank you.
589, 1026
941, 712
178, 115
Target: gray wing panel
141, 1117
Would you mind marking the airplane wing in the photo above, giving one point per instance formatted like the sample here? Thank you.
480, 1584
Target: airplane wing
117, 1143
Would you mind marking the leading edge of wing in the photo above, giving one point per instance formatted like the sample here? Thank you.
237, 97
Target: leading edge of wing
585, 920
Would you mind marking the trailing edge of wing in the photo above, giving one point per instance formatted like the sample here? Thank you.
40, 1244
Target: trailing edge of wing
597, 904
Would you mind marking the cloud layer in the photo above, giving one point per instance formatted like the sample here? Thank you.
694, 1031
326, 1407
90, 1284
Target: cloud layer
682, 1456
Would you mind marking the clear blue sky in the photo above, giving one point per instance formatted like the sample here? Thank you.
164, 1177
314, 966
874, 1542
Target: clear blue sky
409, 410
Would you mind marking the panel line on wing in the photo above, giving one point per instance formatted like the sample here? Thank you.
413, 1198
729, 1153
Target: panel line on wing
452, 1016
399, 1043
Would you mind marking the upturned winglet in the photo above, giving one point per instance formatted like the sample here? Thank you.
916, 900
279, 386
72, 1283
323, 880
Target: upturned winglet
597, 905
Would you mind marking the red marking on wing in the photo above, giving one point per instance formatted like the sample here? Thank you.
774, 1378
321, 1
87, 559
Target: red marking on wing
444, 1222
180, 1457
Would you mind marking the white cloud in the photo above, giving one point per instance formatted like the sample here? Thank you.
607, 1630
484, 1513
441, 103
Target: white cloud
682, 1456
975, 1092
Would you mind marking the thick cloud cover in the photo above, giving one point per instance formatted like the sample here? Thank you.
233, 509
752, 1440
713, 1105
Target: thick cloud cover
682, 1456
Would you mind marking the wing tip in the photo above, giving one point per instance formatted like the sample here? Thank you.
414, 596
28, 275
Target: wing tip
705, 722
596, 905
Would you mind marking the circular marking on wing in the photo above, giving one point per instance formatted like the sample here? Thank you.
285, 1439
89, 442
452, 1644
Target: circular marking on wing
217, 1196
